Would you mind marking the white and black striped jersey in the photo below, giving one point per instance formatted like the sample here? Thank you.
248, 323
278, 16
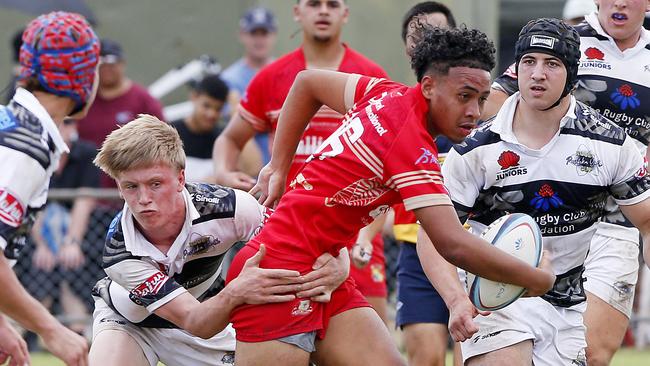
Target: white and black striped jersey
141, 278
30, 148
563, 186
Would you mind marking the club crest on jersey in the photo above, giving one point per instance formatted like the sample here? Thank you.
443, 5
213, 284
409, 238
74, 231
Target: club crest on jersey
202, 244
546, 198
595, 58
11, 210
625, 97
509, 163
585, 161
427, 157
302, 308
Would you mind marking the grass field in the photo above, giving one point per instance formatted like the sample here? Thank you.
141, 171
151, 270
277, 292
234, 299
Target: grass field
625, 357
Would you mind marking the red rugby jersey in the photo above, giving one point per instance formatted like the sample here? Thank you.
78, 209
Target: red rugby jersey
381, 155
263, 99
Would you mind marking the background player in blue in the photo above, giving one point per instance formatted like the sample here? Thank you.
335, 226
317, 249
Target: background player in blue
559, 161
613, 78
58, 67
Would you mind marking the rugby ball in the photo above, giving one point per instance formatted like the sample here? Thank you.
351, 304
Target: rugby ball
516, 234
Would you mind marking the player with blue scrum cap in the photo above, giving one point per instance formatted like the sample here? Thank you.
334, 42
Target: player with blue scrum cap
558, 160
58, 62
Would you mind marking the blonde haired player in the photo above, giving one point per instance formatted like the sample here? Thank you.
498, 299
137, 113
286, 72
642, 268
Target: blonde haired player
164, 298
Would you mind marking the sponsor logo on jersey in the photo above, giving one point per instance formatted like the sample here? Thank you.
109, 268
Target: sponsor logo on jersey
546, 198
585, 161
150, 286
509, 163
11, 210
595, 58
302, 308
201, 245
374, 119
625, 97
426, 157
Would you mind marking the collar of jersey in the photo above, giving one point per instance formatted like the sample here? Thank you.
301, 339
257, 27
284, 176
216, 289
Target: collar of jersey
644, 40
138, 245
29, 101
502, 123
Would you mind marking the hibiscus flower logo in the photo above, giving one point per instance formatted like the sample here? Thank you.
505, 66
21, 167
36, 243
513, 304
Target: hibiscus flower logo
546, 198
625, 97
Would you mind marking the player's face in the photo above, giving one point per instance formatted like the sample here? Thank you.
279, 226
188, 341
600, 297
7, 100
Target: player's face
111, 74
206, 111
432, 19
456, 101
321, 20
541, 79
153, 194
258, 44
623, 19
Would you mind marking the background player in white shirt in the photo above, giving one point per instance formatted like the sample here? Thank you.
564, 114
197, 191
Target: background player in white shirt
58, 62
559, 161
164, 298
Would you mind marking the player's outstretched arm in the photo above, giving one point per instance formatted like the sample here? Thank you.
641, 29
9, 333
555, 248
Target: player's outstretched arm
254, 285
226, 151
12, 345
444, 277
468, 251
310, 90
20, 306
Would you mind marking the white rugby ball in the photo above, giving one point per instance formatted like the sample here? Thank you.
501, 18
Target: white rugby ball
516, 234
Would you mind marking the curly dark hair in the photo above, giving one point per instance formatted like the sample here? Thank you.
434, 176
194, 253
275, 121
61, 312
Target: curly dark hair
436, 50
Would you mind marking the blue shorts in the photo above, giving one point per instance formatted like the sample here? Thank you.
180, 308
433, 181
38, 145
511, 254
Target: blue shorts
417, 300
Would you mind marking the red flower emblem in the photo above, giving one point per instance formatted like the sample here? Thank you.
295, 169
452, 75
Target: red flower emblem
546, 191
594, 53
626, 90
508, 159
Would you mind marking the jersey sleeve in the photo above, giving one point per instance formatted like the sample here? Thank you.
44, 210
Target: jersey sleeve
250, 216
23, 184
411, 168
358, 86
507, 82
144, 280
462, 183
251, 105
632, 183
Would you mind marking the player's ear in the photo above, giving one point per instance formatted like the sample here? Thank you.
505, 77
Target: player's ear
296, 13
181, 180
427, 85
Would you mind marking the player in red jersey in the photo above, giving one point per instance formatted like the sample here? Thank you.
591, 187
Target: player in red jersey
321, 22
382, 154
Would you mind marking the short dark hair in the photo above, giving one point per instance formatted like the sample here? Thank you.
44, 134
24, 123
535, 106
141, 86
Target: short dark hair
212, 86
437, 50
426, 7
16, 43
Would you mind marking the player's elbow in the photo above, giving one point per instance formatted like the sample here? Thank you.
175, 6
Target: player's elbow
452, 251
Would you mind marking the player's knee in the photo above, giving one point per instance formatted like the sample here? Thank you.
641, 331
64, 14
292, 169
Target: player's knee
425, 356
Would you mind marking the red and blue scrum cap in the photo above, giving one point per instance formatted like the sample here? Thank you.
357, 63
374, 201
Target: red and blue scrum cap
61, 50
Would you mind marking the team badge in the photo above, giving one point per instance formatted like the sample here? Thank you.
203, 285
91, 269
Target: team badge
585, 161
546, 198
509, 163
303, 308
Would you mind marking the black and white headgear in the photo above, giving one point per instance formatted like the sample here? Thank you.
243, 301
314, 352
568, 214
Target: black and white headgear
556, 38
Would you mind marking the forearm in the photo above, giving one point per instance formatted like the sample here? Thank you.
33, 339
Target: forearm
79, 218
225, 154
211, 316
16, 303
442, 274
470, 252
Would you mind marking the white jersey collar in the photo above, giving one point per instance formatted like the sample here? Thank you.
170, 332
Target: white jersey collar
31, 103
502, 123
138, 245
